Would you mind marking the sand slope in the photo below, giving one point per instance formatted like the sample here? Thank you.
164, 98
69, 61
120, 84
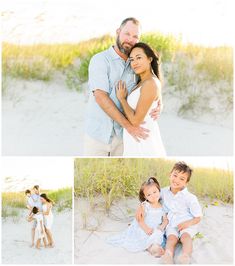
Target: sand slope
16, 237
47, 119
92, 226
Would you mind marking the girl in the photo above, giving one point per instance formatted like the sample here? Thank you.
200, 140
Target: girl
39, 230
48, 217
148, 234
142, 99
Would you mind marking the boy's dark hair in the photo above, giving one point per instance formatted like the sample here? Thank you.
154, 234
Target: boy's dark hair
27, 191
35, 210
183, 167
36, 187
152, 180
134, 20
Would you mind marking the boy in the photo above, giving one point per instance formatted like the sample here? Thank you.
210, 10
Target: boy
183, 212
29, 202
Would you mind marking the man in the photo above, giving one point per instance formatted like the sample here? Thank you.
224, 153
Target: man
105, 120
36, 202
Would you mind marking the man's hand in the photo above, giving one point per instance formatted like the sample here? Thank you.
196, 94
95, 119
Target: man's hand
137, 132
155, 113
183, 226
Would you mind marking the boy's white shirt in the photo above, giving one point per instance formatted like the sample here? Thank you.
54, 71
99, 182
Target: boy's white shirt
181, 207
36, 201
30, 202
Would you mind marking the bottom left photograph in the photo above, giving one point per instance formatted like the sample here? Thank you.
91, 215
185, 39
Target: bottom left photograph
37, 210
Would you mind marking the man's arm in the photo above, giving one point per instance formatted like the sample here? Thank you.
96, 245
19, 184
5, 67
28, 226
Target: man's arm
109, 107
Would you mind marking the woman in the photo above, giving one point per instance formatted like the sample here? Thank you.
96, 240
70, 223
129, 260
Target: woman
145, 96
48, 217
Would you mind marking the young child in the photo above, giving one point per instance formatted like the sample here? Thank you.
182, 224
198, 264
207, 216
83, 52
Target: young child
184, 214
148, 233
39, 230
29, 200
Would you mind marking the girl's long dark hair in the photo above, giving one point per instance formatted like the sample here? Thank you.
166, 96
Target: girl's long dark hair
150, 53
152, 180
44, 196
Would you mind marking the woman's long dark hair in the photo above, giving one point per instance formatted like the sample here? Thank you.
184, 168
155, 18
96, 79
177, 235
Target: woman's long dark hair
150, 53
44, 196
151, 181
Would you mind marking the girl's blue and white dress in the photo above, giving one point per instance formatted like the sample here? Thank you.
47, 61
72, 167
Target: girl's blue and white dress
134, 238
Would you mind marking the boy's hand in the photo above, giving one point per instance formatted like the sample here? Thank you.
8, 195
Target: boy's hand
183, 226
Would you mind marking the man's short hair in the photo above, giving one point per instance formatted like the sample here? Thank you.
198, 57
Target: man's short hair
36, 187
134, 20
183, 167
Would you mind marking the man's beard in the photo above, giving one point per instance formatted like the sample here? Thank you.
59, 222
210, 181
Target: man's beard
125, 51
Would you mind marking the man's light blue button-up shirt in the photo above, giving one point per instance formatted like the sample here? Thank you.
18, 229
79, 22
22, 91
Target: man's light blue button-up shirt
105, 70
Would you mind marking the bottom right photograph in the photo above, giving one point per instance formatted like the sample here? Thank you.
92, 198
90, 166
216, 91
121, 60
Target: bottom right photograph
173, 210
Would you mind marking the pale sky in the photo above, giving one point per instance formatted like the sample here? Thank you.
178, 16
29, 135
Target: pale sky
207, 22
48, 172
225, 163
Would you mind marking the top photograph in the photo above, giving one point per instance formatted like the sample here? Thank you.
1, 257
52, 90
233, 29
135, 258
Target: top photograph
86, 78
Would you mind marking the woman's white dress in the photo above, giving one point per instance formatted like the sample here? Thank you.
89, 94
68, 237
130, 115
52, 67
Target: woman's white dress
39, 231
152, 146
48, 219
134, 238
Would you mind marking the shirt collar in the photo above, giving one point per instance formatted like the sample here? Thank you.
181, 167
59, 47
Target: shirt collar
183, 191
115, 56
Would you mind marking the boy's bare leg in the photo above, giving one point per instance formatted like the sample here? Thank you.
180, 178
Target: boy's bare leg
171, 242
187, 248
33, 235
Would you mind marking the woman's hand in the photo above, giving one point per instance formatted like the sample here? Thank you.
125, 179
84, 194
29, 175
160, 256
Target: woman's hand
121, 90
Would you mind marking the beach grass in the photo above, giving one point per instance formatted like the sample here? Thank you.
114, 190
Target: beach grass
14, 202
116, 178
201, 76
41, 60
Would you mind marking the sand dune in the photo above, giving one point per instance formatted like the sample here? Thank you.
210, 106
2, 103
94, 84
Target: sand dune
92, 226
48, 119
16, 237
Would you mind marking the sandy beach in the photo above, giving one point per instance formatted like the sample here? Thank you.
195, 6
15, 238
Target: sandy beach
16, 239
92, 226
47, 119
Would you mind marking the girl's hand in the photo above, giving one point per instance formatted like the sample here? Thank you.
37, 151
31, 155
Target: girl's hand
121, 90
148, 230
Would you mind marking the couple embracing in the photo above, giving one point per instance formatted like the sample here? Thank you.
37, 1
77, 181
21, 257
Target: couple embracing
125, 98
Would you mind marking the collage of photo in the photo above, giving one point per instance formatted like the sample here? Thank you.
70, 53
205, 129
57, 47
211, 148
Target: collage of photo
117, 132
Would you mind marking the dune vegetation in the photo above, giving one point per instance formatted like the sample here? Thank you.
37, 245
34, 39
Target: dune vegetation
13, 203
114, 179
202, 77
